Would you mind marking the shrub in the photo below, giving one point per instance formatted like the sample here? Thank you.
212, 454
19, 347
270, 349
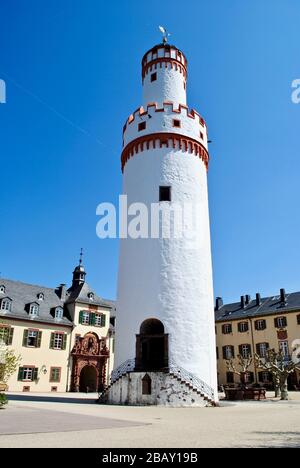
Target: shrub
3, 400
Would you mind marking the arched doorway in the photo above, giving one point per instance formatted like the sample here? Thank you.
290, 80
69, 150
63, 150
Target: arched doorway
88, 379
151, 346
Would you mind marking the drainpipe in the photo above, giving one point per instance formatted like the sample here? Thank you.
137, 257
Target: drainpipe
254, 351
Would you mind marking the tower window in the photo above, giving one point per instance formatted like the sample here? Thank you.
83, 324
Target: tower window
153, 77
201, 136
176, 123
164, 193
141, 126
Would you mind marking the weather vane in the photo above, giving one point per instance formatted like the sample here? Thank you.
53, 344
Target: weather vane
164, 33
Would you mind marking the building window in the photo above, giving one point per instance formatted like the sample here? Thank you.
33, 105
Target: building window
32, 338
261, 349
243, 327
280, 322
153, 77
201, 136
58, 341
59, 313
29, 374
34, 310
245, 350
284, 348
40, 296
265, 377
141, 126
100, 320
6, 305
146, 385
228, 352
164, 194
91, 296
84, 317
249, 377
2, 289
176, 123
260, 325
227, 329
230, 377
55, 373
6, 335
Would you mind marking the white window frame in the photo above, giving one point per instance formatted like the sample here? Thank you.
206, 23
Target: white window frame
28, 372
58, 341
59, 313
98, 317
265, 377
34, 310
6, 305
260, 325
227, 330
85, 318
243, 327
245, 351
284, 346
228, 352
280, 321
32, 334
263, 347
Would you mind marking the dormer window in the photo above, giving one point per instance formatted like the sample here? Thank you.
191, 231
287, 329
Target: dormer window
59, 313
2, 289
91, 296
40, 296
6, 304
34, 310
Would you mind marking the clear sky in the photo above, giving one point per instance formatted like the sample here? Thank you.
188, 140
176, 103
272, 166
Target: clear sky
72, 69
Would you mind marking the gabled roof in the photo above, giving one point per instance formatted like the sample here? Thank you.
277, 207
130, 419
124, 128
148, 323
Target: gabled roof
23, 294
269, 306
81, 294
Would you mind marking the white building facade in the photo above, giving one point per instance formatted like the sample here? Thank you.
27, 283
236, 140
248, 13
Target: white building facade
165, 331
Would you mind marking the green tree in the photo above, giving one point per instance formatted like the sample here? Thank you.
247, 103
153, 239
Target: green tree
8, 366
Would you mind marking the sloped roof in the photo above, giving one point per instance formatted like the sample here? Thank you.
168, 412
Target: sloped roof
81, 294
269, 306
23, 294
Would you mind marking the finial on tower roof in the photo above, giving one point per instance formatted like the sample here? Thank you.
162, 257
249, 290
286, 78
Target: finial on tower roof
81, 255
164, 33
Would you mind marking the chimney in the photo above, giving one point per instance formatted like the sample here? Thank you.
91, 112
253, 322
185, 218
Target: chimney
219, 303
61, 291
247, 299
242, 302
258, 299
282, 296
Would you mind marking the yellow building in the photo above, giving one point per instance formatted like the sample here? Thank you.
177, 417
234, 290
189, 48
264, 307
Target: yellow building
252, 326
65, 338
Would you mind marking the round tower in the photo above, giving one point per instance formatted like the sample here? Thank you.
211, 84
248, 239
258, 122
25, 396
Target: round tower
165, 309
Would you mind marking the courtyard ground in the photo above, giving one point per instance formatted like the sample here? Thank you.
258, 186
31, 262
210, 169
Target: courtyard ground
68, 421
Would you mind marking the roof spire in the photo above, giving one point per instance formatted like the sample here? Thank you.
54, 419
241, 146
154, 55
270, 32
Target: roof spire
81, 256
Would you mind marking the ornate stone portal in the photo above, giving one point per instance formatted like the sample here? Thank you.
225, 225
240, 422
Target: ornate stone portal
89, 356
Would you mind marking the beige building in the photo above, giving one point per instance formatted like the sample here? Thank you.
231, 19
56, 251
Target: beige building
65, 338
252, 326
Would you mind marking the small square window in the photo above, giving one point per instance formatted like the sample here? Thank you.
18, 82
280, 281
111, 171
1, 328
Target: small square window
201, 136
153, 77
141, 126
164, 193
176, 123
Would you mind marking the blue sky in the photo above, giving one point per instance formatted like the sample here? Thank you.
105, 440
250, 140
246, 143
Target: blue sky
72, 69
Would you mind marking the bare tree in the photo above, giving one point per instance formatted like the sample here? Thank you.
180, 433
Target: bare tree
240, 367
280, 366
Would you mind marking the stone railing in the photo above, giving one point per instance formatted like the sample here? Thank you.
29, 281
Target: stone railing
127, 366
191, 379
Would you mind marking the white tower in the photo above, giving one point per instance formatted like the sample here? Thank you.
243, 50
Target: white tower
165, 312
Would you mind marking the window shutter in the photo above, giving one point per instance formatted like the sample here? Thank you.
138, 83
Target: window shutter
258, 349
64, 343
92, 319
232, 351
284, 320
25, 337
249, 351
276, 322
260, 377
39, 339
52, 340
80, 316
20, 373
224, 352
256, 325
10, 336
103, 320
264, 324
35, 374
251, 377
240, 349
